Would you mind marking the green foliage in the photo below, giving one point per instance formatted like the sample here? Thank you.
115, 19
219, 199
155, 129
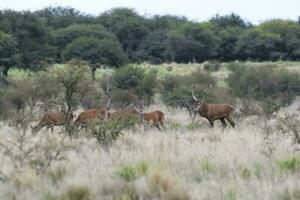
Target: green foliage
129, 27
96, 51
138, 80
76, 193
153, 48
231, 20
31, 35
193, 126
274, 87
8, 50
60, 17
177, 88
72, 79
291, 164
191, 42
133, 172
108, 131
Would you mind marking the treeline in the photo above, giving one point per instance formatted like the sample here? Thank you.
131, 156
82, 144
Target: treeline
119, 36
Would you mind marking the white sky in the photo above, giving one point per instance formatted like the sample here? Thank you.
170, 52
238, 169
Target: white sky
253, 10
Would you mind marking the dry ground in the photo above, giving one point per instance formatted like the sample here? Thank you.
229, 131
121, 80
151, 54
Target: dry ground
187, 161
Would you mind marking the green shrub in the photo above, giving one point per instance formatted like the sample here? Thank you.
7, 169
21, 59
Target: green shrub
132, 172
177, 88
108, 131
278, 87
76, 193
139, 81
291, 164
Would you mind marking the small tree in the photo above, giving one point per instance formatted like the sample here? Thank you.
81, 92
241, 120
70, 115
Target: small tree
72, 79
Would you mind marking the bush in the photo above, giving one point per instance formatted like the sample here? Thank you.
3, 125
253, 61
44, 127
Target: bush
139, 81
176, 88
108, 131
265, 84
132, 172
291, 164
76, 193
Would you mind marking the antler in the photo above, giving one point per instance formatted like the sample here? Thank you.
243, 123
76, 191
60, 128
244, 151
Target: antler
192, 91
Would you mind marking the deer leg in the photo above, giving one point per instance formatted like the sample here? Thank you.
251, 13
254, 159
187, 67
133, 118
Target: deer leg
52, 129
157, 126
230, 121
223, 123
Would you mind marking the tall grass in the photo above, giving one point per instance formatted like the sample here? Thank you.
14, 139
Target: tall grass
178, 163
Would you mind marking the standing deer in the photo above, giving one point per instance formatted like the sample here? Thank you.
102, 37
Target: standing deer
214, 112
90, 115
151, 119
50, 120
96, 115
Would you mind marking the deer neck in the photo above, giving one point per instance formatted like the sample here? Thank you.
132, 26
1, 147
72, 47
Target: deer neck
203, 109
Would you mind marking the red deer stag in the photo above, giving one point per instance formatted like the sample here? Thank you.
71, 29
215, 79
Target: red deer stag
214, 112
50, 120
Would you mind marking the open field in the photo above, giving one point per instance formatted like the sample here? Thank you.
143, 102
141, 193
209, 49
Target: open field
257, 160
186, 161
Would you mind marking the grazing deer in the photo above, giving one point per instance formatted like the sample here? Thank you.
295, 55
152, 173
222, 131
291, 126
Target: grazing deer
50, 120
151, 119
214, 112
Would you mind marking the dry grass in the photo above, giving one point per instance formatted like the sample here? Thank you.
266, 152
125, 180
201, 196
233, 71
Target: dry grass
179, 163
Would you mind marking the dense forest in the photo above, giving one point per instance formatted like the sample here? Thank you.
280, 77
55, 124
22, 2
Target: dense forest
32, 40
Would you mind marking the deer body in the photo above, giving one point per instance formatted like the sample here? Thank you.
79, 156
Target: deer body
50, 120
90, 115
214, 112
152, 119
161, 119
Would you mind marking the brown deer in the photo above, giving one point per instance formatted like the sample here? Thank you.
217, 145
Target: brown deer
151, 119
161, 118
90, 115
214, 112
96, 115
50, 120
